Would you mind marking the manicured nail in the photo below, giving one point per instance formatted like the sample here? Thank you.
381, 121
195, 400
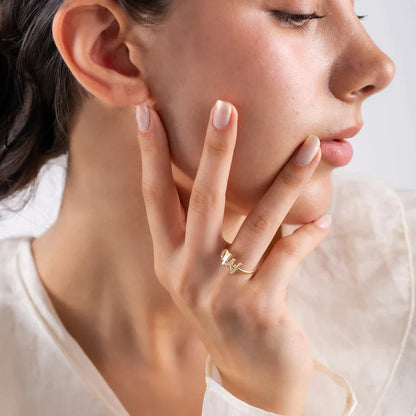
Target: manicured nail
324, 221
222, 115
308, 151
143, 117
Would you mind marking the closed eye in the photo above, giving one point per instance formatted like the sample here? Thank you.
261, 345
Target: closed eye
298, 21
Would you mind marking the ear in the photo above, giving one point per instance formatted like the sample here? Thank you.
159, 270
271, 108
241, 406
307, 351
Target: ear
92, 37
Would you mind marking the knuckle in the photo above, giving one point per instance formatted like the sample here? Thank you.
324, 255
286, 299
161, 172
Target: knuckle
234, 311
217, 145
289, 249
260, 221
205, 304
224, 309
147, 144
203, 200
289, 178
188, 291
216, 306
159, 268
257, 315
262, 312
211, 299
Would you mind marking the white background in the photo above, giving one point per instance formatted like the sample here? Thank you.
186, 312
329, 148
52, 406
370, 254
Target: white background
385, 148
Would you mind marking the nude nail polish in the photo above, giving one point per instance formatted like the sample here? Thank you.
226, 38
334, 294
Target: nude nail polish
308, 151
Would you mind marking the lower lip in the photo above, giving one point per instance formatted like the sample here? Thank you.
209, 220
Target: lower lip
337, 152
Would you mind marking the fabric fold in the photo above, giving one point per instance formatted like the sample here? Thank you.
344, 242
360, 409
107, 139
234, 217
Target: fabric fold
218, 400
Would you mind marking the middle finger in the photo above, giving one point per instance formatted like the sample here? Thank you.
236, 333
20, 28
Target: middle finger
259, 228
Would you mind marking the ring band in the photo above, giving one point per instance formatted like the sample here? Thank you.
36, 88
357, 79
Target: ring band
229, 261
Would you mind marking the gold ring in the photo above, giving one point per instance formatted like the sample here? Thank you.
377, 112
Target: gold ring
229, 261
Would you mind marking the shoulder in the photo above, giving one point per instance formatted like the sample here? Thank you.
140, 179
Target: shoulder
9, 246
8, 251
13, 296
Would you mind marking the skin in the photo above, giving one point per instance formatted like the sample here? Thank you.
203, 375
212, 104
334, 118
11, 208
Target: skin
96, 261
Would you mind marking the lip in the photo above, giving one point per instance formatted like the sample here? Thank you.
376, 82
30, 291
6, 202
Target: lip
336, 150
345, 134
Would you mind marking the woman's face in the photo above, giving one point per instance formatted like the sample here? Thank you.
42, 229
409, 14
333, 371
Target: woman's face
286, 82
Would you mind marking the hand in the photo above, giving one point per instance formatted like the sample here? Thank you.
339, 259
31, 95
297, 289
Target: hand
261, 352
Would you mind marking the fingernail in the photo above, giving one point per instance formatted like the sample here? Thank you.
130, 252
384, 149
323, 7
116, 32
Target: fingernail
222, 115
143, 117
308, 151
324, 221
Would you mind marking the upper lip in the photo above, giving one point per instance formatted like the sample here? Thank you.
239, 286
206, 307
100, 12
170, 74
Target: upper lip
345, 134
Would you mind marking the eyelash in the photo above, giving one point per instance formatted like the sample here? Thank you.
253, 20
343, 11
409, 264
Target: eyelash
294, 19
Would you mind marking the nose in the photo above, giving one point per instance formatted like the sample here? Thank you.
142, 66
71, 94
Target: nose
361, 68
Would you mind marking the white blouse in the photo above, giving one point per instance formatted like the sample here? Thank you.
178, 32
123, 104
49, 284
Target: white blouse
354, 296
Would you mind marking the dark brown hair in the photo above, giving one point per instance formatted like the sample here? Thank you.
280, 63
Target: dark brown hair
39, 95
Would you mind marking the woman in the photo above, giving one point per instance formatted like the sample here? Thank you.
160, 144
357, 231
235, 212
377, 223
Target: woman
126, 301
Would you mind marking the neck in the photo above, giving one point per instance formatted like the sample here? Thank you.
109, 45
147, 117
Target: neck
96, 261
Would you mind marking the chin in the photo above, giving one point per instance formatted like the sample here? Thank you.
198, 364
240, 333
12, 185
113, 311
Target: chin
312, 203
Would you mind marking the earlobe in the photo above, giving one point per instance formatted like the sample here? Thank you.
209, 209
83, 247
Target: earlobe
91, 38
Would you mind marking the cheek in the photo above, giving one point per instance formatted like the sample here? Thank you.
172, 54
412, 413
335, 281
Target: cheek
278, 108
271, 82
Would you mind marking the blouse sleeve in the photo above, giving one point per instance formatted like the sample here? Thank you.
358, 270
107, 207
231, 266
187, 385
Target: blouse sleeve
329, 394
219, 401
